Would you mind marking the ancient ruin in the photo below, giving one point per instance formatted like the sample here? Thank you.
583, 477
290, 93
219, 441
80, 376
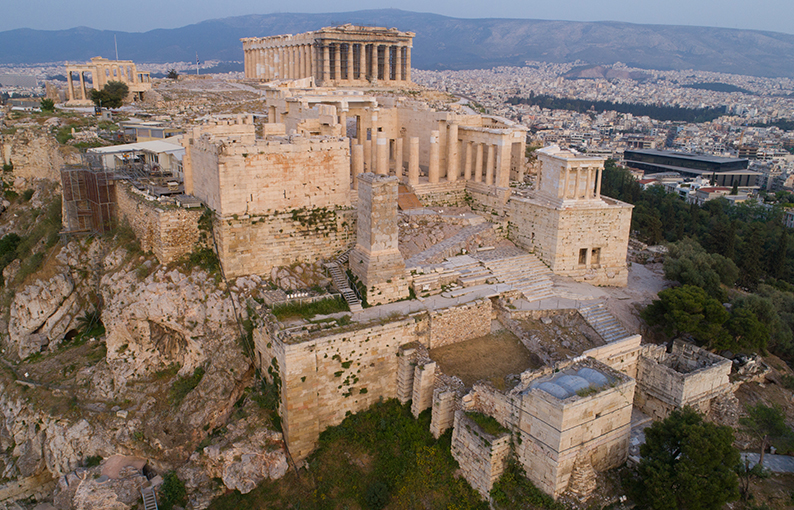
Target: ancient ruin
101, 71
333, 56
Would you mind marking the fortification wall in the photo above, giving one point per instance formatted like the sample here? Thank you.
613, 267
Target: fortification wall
453, 325
622, 355
482, 457
167, 231
255, 244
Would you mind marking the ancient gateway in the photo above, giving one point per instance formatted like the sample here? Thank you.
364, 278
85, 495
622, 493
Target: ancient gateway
101, 71
332, 56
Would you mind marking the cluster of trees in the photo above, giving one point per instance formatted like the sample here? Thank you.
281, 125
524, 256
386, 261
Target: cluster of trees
717, 87
111, 96
713, 249
672, 113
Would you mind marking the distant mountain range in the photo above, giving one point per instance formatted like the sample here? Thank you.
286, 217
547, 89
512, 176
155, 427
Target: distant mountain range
441, 42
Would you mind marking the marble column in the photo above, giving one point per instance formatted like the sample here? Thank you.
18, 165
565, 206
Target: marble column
358, 163
383, 155
478, 163
398, 157
82, 86
565, 183
489, 165
326, 65
350, 67
452, 153
337, 62
376, 61
433, 169
362, 62
503, 165
468, 165
413, 161
70, 84
368, 154
408, 64
398, 64
576, 190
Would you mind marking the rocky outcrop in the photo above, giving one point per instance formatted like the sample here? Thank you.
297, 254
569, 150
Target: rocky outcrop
86, 489
42, 313
35, 153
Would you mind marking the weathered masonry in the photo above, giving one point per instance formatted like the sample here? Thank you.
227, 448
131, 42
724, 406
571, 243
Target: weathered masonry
101, 71
333, 56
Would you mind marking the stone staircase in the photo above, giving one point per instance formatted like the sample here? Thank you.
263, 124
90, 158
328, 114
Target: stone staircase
525, 273
449, 246
406, 199
471, 272
603, 322
343, 285
149, 498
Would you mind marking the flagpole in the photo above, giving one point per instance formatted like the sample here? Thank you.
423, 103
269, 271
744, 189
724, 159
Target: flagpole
197, 64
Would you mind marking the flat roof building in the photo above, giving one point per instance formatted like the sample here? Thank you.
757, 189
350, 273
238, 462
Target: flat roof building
722, 171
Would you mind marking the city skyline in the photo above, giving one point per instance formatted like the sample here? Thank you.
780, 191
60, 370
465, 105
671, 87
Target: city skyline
145, 15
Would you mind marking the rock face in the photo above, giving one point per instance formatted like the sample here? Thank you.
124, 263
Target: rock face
36, 154
85, 489
42, 313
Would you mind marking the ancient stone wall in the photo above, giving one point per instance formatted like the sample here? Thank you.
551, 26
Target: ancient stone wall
688, 376
588, 242
255, 244
622, 355
169, 232
482, 457
453, 325
442, 194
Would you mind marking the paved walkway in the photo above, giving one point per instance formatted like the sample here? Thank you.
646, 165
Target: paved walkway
774, 463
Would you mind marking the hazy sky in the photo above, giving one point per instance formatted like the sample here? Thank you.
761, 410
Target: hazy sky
144, 15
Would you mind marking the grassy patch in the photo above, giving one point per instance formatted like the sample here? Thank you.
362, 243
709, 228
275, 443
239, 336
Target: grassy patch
184, 385
309, 310
488, 424
513, 490
379, 458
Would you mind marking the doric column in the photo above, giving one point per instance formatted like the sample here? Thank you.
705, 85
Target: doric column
368, 154
413, 161
398, 65
408, 64
432, 172
362, 62
398, 157
376, 61
489, 165
452, 153
290, 63
467, 167
326, 64
350, 66
383, 155
478, 163
503, 164
358, 163
337, 62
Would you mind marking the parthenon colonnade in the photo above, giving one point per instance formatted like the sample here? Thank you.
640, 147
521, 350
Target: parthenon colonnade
333, 56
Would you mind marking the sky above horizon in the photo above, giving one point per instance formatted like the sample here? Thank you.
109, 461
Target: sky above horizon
145, 15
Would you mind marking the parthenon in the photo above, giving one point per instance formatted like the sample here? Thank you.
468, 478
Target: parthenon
333, 56
102, 71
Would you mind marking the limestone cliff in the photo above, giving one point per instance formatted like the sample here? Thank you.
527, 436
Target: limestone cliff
35, 153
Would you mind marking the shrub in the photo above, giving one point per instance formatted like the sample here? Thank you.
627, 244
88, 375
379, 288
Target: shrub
184, 385
172, 492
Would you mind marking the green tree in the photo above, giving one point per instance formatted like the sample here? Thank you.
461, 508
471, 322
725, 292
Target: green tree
735, 189
768, 424
687, 463
172, 74
689, 309
689, 264
47, 105
172, 492
111, 96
